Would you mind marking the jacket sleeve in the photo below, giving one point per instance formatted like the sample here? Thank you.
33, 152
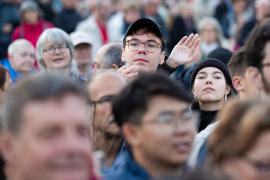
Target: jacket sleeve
165, 68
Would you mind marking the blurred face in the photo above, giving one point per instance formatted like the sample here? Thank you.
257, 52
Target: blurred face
102, 90
266, 68
23, 60
61, 57
30, 17
145, 62
263, 9
210, 85
255, 165
83, 54
166, 132
99, 59
132, 15
69, 4
104, 10
55, 146
209, 34
239, 6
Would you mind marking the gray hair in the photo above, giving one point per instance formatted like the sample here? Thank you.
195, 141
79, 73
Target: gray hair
113, 55
57, 36
215, 23
14, 46
40, 88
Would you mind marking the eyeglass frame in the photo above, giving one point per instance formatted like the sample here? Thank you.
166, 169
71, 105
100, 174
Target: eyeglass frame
102, 99
127, 42
58, 47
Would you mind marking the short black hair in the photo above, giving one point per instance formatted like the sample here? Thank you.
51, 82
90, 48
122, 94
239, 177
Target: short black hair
131, 103
237, 64
255, 44
36, 88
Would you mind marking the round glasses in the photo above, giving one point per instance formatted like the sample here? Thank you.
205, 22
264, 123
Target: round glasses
150, 45
51, 50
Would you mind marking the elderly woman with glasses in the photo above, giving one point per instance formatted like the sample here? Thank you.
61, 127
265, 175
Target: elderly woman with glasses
55, 51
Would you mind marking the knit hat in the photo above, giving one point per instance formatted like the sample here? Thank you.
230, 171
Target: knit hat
222, 54
211, 62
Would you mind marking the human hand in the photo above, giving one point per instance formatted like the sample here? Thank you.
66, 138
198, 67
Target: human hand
182, 52
7, 28
127, 74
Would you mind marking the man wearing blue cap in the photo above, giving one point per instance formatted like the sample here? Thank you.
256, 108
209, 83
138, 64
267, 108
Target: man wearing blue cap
143, 50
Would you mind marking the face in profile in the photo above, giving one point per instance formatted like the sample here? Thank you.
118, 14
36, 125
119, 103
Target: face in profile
142, 56
53, 142
102, 91
23, 60
210, 85
56, 56
166, 131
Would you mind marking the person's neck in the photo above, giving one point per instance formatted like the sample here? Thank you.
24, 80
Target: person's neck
109, 144
102, 22
211, 106
83, 69
158, 170
64, 71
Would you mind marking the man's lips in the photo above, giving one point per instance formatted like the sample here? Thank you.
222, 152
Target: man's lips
208, 89
141, 60
183, 147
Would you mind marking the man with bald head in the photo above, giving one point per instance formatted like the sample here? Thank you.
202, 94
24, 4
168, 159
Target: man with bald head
103, 86
109, 57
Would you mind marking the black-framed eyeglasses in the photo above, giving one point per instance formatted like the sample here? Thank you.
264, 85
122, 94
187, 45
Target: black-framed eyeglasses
51, 50
262, 167
150, 45
108, 98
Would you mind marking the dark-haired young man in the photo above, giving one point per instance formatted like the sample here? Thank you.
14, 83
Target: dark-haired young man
143, 50
237, 67
154, 115
258, 59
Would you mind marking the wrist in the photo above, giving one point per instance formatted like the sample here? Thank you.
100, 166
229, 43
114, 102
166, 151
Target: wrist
172, 63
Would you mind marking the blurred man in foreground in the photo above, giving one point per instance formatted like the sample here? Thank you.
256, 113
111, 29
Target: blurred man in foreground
47, 137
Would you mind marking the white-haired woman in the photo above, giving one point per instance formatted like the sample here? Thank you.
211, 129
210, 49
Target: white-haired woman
54, 52
211, 36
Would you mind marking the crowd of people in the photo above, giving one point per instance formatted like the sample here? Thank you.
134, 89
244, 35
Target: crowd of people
134, 90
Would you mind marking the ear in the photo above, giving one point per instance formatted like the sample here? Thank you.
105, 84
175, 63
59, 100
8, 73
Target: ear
162, 58
132, 134
10, 58
123, 55
254, 76
114, 66
6, 147
238, 83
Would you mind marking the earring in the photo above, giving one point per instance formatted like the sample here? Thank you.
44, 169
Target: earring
225, 98
195, 97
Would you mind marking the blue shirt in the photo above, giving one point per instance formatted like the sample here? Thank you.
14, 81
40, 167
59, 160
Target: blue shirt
116, 162
14, 75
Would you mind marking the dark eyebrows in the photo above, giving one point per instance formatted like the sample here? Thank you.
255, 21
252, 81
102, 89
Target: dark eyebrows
215, 72
151, 40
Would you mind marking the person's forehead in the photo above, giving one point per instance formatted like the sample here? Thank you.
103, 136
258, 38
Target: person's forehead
70, 110
26, 49
209, 70
143, 37
106, 84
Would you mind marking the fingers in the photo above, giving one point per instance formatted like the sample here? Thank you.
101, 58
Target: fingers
193, 41
191, 58
188, 40
195, 45
182, 40
127, 73
131, 76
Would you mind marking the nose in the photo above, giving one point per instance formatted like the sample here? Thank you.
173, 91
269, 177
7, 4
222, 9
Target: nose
142, 49
208, 80
57, 51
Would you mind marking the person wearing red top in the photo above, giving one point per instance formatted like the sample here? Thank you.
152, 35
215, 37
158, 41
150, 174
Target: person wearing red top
32, 26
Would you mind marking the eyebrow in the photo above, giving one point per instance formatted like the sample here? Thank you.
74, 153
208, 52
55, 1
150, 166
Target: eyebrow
215, 72
145, 41
167, 112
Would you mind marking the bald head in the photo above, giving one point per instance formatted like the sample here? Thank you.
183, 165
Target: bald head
109, 57
105, 83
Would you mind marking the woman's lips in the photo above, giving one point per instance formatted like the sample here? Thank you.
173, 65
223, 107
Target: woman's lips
208, 89
58, 60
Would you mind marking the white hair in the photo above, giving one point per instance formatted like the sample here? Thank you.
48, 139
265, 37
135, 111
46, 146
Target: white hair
215, 23
55, 35
15, 45
258, 3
